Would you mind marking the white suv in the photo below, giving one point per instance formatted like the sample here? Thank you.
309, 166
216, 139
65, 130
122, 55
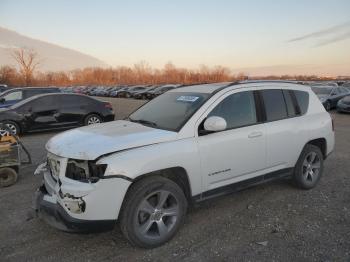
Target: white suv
189, 144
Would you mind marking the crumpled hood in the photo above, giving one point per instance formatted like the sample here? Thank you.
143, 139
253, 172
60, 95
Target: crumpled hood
90, 142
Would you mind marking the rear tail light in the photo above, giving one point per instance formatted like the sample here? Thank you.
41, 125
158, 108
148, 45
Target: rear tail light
108, 105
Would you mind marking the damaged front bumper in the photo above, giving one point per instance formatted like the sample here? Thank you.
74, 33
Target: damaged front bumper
75, 206
56, 216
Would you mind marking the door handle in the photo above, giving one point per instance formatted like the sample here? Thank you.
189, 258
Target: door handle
255, 134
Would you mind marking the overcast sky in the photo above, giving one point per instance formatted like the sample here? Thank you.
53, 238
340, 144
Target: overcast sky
265, 34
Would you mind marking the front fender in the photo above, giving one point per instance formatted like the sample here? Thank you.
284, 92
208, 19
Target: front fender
136, 162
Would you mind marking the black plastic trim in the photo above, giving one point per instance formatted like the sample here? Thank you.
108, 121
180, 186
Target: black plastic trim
231, 188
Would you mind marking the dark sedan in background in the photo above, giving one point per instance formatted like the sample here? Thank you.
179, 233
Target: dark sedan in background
329, 95
15, 95
343, 105
55, 111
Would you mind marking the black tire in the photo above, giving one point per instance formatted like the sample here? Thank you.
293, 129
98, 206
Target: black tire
327, 105
308, 171
149, 190
92, 119
8, 176
13, 126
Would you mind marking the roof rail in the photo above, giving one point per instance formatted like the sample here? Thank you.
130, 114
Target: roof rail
273, 81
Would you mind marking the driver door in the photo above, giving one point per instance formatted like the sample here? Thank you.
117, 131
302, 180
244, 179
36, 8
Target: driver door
237, 153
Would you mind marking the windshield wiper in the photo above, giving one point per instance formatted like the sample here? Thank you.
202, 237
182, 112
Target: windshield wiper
143, 122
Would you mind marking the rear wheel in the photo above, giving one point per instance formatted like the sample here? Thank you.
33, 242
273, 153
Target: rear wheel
92, 119
8, 176
309, 167
153, 211
12, 126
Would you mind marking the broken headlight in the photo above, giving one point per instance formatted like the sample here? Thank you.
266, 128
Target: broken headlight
85, 171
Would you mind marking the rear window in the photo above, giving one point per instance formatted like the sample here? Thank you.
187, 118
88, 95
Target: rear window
275, 105
302, 100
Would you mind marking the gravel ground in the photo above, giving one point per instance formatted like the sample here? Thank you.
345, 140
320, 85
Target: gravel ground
270, 222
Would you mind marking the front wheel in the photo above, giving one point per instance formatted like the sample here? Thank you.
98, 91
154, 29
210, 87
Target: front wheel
153, 211
92, 119
309, 167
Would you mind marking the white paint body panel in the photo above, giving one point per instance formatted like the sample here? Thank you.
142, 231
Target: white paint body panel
132, 150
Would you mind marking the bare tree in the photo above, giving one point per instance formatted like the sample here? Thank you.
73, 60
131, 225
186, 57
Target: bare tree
27, 60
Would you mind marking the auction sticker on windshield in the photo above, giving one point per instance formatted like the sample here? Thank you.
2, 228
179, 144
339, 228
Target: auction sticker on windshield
187, 98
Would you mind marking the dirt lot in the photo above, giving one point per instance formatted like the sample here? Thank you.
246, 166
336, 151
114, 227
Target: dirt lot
271, 222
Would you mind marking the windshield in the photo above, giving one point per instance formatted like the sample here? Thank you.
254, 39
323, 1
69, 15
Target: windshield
322, 90
169, 111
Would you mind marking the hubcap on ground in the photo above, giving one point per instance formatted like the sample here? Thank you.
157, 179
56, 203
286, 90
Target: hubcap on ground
311, 167
93, 120
157, 214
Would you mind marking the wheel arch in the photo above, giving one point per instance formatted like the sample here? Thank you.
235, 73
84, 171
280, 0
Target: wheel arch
176, 174
321, 143
20, 126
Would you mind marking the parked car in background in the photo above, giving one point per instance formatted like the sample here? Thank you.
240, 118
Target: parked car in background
185, 146
3, 88
160, 90
134, 90
329, 96
125, 92
115, 93
106, 91
343, 105
54, 111
115, 88
142, 93
346, 84
15, 95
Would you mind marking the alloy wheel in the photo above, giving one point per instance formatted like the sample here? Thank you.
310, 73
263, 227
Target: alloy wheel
12, 127
157, 214
311, 167
93, 120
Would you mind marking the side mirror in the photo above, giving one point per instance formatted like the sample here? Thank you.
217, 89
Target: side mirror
2, 100
215, 124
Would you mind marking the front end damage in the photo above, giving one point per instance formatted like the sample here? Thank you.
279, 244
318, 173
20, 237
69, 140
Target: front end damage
76, 196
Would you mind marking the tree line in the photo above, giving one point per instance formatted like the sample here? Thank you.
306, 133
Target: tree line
26, 74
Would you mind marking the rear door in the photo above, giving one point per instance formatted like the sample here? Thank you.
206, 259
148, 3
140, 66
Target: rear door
72, 109
282, 128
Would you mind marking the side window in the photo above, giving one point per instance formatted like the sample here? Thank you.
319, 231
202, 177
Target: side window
72, 101
275, 105
17, 95
29, 93
45, 103
237, 109
289, 102
302, 100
